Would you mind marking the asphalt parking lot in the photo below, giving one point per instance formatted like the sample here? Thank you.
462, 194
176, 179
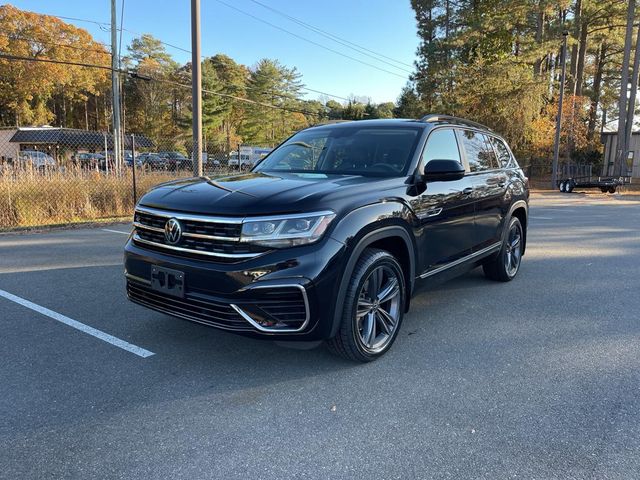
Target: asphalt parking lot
538, 378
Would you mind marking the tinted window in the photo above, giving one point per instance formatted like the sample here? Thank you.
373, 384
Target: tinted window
479, 152
442, 145
504, 156
383, 151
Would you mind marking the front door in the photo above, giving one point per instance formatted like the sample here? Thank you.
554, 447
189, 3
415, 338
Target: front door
445, 209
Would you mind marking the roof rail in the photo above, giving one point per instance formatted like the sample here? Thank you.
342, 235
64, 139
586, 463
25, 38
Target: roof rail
330, 122
436, 117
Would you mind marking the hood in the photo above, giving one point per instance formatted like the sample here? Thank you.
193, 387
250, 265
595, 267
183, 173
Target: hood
260, 193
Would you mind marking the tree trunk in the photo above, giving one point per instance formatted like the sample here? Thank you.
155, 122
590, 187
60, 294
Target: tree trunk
106, 112
540, 19
64, 110
597, 85
577, 24
97, 121
624, 88
582, 53
631, 109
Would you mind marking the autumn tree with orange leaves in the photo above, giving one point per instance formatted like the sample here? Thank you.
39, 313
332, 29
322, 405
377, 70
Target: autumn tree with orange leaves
36, 93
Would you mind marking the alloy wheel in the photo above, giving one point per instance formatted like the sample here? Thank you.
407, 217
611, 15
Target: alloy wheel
513, 250
378, 310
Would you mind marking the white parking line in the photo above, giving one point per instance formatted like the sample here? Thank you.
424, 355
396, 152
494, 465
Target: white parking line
114, 231
536, 217
139, 351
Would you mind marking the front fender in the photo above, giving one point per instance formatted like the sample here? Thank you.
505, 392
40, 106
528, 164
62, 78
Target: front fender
364, 226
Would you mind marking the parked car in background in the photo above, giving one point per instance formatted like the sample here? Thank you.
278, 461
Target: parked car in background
128, 161
214, 161
175, 160
152, 161
127, 156
88, 160
36, 159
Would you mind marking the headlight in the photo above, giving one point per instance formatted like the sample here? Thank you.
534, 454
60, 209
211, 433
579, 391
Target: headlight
286, 230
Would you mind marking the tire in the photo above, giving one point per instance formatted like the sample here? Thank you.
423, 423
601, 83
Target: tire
561, 187
612, 189
506, 265
366, 329
604, 189
568, 188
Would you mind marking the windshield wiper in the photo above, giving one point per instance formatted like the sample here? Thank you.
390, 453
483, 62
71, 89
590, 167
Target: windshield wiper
302, 144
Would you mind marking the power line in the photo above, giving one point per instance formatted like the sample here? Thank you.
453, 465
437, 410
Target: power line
105, 24
240, 99
170, 82
12, 36
311, 41
77, 64
101, 24
161, 41
324, 93
342, 41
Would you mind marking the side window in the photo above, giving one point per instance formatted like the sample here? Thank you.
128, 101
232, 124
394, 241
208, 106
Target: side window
442, 145
504, 156
479, 152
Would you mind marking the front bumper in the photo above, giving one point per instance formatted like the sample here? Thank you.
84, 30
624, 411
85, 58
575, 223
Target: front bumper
285, 294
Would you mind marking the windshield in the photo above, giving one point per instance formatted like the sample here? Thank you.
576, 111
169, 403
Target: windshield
366, 150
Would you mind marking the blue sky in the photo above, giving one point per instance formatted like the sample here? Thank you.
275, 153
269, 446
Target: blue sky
384, 26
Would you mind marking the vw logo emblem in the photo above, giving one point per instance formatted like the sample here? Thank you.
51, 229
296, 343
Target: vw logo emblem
172, 231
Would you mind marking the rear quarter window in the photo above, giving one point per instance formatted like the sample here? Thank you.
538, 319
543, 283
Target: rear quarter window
478, 150
505, 157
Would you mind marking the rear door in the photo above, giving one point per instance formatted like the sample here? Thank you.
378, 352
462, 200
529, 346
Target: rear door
445, 209
489, 182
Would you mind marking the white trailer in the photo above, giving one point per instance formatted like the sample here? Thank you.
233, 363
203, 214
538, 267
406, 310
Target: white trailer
249, 156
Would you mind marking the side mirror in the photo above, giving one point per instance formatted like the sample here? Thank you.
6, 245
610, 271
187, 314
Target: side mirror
443, 171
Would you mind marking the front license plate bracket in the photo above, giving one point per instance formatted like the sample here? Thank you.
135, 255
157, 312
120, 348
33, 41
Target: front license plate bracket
167, 280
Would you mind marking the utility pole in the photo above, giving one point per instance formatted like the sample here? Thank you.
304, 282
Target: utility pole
624, 88
196, 88
631, 108
115, 90
556, 145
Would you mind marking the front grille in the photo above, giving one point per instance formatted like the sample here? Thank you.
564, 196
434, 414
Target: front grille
195, 307
202, 236
230, 230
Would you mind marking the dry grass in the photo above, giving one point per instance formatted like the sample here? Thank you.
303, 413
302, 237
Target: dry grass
29, 198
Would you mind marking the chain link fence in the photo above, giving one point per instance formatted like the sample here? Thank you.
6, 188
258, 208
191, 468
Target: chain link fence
52, 176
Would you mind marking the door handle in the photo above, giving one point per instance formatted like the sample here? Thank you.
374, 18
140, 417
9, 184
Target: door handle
467, 191
497, 181
431, 212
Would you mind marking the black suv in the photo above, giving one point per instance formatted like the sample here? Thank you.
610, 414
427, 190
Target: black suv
330, 234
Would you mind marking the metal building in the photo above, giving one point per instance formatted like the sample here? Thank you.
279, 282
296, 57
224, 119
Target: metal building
610, 141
